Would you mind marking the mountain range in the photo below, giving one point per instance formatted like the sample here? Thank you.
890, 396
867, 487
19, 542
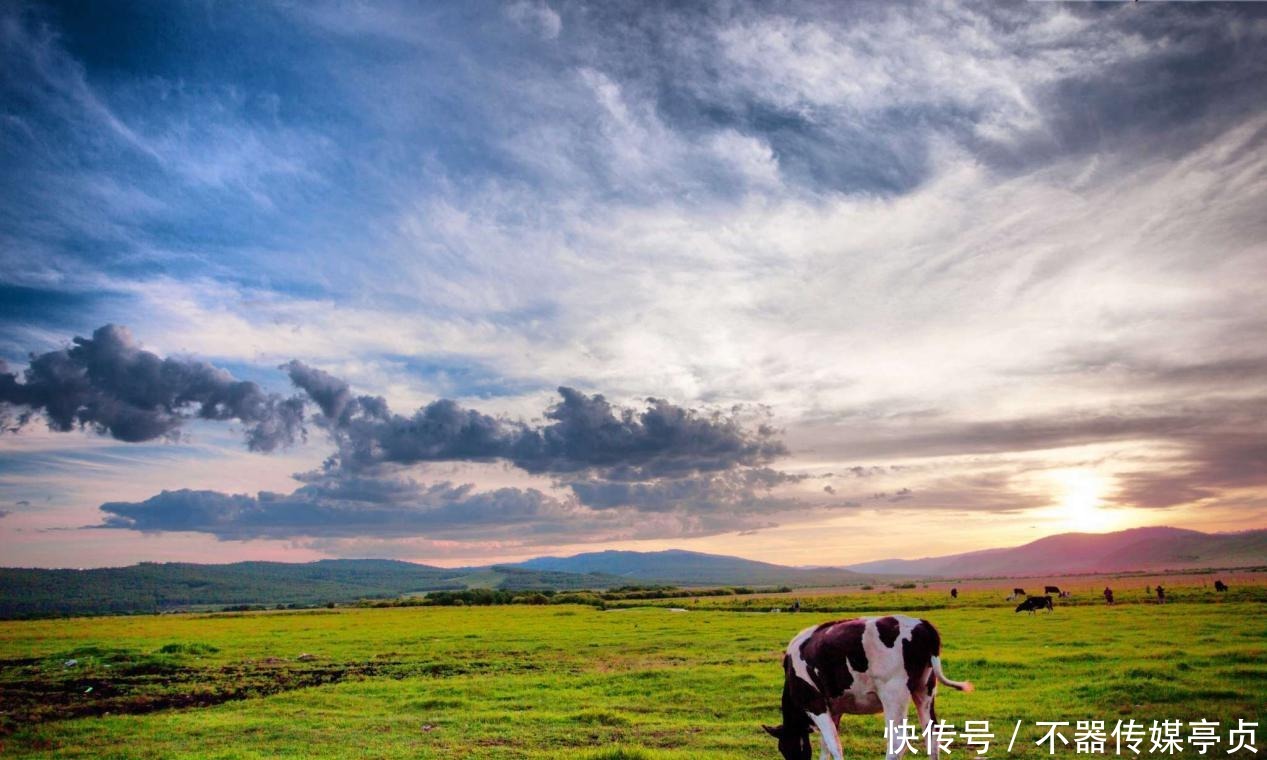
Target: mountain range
1156, 548
693, 568
155, 587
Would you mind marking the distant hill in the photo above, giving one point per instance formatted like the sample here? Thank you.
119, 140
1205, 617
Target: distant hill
158, 587
1158, 548
693, 568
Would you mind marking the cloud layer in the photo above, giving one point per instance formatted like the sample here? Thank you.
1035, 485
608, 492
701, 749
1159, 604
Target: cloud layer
344, 509
582, 432
706, 467
109, 384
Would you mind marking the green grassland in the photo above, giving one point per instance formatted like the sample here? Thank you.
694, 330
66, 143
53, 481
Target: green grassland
562, 681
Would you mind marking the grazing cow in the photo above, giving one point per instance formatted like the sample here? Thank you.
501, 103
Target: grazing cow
1065, 594
1016, 592
1220, 586
954, 593
1108, 595
1035, 603
858, 667
1051, 590
1161, 594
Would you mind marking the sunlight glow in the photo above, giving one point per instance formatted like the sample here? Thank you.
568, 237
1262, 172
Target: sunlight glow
1080, 500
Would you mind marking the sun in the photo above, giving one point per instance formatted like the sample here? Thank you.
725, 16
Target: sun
1080, 499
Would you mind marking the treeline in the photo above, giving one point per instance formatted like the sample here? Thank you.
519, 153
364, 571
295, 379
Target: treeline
161, 587
480, 597
150, 587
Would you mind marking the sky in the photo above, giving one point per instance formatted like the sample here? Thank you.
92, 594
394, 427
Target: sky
811, 283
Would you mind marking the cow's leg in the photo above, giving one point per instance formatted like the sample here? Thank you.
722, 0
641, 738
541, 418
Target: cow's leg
927, 714
824, 750
827, 735
896, 700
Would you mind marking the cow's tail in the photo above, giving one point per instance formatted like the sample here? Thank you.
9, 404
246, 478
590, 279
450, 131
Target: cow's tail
960, 685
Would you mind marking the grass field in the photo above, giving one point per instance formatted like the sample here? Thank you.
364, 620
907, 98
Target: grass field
545, 682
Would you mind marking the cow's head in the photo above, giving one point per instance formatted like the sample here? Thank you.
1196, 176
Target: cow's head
793, 744
1023, 606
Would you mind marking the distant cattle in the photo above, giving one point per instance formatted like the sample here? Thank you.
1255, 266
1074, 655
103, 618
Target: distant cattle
858, 667
1108, 595
954, 593
1065, 594
1161, 595
1016, 593
1051, 590
1220, 586
1036, 603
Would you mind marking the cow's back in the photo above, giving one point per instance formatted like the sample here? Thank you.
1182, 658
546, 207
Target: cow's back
852, 655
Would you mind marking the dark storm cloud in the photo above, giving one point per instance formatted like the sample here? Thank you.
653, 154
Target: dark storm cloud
661, 440
388, 509
109, 384
367, 433
328, 392
338, 504
384, 507
335, 509
661, 458
582, 432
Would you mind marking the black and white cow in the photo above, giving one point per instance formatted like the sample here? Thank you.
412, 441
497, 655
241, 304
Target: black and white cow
858, 667
1035, 603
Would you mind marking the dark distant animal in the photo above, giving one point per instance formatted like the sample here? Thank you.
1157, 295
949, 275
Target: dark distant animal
1161, 595
954, 593
1220, 586
1065, 594
1108, 595
1036, 603
858, 667
796, 605
1051, 590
